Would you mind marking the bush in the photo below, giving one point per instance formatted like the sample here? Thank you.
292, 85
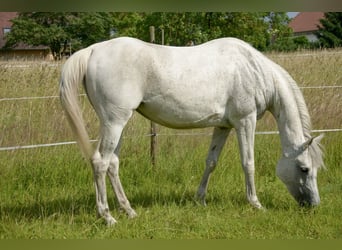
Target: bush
283, 45
292, 44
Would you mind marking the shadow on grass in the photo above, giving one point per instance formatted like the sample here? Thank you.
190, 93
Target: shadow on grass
86, 204
232, 200
50, 208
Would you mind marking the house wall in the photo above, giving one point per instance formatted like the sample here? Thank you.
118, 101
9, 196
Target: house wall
306, 24
21, 51
25, 54
309, 35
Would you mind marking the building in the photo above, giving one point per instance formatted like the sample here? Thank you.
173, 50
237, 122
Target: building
306, 24
22, 51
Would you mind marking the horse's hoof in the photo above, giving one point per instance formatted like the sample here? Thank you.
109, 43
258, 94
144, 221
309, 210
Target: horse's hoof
110, 221
132, 214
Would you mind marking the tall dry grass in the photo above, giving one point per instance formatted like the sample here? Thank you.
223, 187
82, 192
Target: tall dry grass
38, 121
34, 121
314, 69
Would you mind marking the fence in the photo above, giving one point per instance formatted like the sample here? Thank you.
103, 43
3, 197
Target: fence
17, 147
56, 96
150, 135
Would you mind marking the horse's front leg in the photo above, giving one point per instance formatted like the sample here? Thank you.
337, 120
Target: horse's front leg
217, 142
245, 132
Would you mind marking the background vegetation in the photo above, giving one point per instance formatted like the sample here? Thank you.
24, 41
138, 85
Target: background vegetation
330, 33
264, 30
48, 192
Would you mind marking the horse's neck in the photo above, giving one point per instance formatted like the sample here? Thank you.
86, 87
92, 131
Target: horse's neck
287, 114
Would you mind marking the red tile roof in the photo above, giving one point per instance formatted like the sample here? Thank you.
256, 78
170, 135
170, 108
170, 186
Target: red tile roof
306, 21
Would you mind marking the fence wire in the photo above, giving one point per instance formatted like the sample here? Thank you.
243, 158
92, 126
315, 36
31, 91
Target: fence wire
56, 96
11, 148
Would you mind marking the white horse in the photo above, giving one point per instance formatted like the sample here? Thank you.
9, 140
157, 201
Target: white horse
224, 83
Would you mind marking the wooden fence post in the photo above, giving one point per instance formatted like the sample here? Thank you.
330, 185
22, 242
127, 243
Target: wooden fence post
153, 130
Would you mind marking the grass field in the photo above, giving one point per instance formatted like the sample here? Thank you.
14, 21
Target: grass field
48, 192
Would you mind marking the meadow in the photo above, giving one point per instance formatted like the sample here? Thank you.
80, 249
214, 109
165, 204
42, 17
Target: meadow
47, 192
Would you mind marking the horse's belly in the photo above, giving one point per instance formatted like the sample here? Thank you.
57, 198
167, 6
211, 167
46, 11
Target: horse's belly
183, 116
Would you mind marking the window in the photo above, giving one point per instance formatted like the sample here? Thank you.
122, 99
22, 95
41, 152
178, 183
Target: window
6, 30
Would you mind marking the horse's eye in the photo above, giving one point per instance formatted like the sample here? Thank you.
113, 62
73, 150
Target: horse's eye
304, 169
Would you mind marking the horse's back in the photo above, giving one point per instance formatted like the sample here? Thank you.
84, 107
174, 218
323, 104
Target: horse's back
177, 86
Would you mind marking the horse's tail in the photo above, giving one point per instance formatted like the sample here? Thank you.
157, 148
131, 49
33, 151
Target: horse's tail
73, 73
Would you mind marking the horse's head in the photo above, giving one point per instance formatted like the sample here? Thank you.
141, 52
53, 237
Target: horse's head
298, 171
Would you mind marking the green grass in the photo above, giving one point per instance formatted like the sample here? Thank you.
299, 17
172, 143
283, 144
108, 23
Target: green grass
48, 192
52, 196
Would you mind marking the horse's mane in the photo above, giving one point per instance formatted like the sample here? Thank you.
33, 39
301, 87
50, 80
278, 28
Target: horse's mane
302, 109
315, 149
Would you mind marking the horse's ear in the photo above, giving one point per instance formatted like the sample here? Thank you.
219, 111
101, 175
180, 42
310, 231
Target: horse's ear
317, 139
307, 144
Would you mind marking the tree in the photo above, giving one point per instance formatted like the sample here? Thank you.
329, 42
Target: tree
278, 28
330, 33
199, 27
86, 28
179, 28
38, 29
126, 23
58, 29
248, 26
80, 29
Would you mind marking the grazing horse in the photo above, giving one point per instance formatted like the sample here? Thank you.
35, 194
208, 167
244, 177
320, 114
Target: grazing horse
224, 83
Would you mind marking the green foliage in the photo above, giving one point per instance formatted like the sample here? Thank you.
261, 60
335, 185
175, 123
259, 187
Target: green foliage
250, 27
330, 34
284, 45
126, 23
179, 28
59, 30
39, 28
301, 41
199, 27
287, 44
86, 28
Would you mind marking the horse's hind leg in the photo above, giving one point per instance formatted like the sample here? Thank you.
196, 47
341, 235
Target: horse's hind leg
218, 140
102, 161
113, 173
